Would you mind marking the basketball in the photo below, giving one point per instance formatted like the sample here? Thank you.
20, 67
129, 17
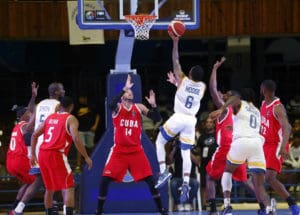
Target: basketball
177, 27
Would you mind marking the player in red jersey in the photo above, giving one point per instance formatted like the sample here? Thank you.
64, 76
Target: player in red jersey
17, 162
224, 123
59, 130
275, 128
127, 151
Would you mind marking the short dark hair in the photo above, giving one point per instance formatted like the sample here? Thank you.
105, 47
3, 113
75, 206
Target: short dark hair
270, 85
66, 101
235, 93
197, 73
20, 110
53, 87
248, 94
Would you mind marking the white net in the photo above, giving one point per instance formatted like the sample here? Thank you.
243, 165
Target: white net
141, 25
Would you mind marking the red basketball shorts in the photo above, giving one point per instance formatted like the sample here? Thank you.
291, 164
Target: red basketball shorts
215, 167
19, 167
118, 163
55, 170
273, 159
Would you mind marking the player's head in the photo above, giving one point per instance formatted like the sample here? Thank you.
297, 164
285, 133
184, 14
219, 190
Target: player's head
22, 113
196, 73
56, 90
66, 104
248, 95
230, 93
127, 98
268, 87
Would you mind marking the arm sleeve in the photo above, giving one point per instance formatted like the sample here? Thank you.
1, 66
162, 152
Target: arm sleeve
114, 102
154, 114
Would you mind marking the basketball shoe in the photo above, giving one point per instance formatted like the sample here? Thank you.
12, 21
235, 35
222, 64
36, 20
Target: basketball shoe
185, 189
163, 178
295, 209
12, 212
163, 211
188, 207
180, 207
227, 210
263, 212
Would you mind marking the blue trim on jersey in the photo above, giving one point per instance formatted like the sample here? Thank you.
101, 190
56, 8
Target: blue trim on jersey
165, 134
185, 146
229, 162
257, 170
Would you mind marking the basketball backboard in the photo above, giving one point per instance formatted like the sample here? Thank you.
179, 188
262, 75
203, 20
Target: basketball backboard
109, 14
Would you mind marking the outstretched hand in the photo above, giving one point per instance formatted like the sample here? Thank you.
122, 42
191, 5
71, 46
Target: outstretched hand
34, 89
219, 63
128, 83
171, 78
151, 99
174, 38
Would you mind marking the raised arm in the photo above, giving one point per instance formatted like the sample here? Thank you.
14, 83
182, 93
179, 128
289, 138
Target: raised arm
234, 101
113, 105
28, 127
34, 90
213, 89
175, 58
152, 113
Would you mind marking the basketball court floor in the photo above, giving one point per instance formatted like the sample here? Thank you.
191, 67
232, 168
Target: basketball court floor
236, 212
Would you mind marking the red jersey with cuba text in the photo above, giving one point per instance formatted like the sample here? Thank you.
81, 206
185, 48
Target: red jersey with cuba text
270, 127
127, 128
56, 134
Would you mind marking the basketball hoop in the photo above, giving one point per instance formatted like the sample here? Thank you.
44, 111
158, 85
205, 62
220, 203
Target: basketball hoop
141, 24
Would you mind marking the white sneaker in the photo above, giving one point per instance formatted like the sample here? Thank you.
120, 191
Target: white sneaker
188, 207
180, 207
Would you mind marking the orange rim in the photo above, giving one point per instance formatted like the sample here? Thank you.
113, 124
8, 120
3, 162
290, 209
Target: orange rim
140, 18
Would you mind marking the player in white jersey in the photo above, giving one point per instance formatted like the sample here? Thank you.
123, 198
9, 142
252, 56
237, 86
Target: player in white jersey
43, 109
190, 91
247, 145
